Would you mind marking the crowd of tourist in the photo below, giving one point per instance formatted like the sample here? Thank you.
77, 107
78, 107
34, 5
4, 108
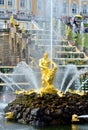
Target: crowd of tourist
76, 23
73, 22
18, 14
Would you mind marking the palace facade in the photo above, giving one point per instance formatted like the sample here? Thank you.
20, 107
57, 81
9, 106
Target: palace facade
42, 8
72, 7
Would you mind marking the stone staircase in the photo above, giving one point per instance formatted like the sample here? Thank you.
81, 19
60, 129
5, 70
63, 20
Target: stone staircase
70, 55
63, 52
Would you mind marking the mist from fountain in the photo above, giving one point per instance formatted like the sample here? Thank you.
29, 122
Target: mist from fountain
24, 73
82, 71
9, 81
55, 26
66, 73
69, 80
51, 30
5, 98
4, 78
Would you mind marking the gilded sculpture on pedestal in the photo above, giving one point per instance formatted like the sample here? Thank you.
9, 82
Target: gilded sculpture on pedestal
47, 72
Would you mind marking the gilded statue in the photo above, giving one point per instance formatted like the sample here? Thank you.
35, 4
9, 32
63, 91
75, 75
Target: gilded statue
47, 71
13, 21
23, 29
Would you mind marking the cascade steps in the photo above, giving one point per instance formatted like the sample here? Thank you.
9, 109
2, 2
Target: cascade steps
6, 55
63, 52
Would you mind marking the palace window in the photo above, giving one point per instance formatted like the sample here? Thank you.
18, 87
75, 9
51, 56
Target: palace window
40, 6
1, 2
29, 4
85, 9
9, 2
74, 8
22, 3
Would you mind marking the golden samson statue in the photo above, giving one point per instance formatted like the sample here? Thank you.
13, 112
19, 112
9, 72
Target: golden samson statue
48, 69
48, 74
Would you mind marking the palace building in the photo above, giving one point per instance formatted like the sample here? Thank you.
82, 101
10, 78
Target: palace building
42, 8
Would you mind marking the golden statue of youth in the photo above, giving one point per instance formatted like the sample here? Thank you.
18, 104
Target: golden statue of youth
47, 72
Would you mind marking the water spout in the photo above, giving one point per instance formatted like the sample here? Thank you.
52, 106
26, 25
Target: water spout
9, 81
51, 30
67, 71
26, 75
82, 71
83, 116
